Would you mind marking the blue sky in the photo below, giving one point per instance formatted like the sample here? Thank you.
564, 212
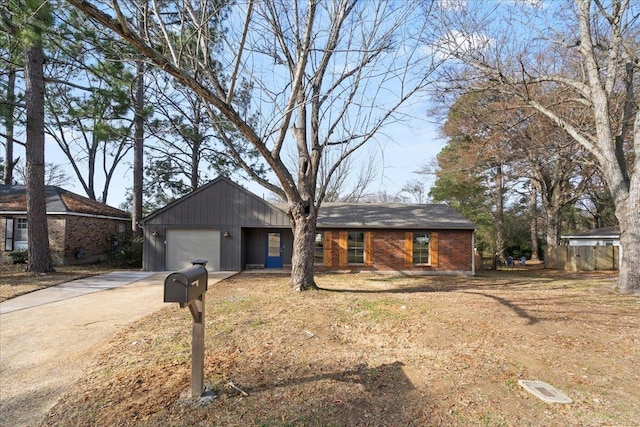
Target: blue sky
407, 145
406, 148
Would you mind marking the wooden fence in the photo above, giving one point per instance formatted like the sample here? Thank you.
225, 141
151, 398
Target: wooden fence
584, 258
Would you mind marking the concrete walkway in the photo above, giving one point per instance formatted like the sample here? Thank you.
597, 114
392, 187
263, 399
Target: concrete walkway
72, 289
48, 337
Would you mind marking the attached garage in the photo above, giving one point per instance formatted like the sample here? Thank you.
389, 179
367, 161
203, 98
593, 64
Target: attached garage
186, 245
217, 222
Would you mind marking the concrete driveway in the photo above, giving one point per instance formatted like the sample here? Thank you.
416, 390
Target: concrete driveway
48, 337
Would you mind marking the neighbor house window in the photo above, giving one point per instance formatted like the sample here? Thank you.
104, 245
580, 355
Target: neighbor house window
16, 235
355, 247
122, 231
421, 247
318, 254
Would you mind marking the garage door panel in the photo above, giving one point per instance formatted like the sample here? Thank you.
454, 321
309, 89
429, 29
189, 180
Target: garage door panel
186, 245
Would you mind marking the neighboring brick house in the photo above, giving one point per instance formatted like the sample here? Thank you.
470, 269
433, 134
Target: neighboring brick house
81, 230
234, 230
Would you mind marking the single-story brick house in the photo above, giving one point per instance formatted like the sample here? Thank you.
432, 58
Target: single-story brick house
81, 230
233, 229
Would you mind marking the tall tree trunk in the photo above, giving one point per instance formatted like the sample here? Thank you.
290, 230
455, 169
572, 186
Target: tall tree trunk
38, 232
498, 215
533, 209
626, 194
9, 163
304, 235
138, 152
629, 217
553, 228
197, 144
194, 178
623, 186
91, 165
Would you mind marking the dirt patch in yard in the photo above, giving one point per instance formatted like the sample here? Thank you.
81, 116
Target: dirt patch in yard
370, 350
15, 281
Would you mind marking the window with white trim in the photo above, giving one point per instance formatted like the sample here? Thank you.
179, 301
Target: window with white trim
318, 253
16, 234
355, 247
421, 247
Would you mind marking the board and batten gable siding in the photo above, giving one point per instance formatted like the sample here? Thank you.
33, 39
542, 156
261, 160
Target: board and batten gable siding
220, 205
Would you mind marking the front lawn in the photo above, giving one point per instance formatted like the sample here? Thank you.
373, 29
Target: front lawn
370, 350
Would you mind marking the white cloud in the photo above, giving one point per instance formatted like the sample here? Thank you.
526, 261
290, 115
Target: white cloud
536, 4
456, 43
452, 5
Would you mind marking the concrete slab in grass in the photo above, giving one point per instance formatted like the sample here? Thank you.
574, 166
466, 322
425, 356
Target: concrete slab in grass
545, 392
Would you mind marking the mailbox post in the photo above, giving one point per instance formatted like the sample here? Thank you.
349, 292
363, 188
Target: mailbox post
188, 287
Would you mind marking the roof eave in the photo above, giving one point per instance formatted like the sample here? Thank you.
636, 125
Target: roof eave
119, 218
604, 236
401, 227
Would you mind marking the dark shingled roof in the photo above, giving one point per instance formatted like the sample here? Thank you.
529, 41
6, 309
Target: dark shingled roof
613, 232
13, 199
398, 216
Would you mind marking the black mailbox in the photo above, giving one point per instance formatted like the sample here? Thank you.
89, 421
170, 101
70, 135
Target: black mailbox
186, 285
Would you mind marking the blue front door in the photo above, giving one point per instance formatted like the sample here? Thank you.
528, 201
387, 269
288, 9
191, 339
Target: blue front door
274, 250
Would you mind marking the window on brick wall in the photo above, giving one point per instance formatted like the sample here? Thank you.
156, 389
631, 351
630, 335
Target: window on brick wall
355, 247
318, 254
122, 231
421, 251
16, 234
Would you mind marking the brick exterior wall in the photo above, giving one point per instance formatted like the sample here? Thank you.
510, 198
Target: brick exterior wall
75, 239
455, 250
90, 240
390, 253
57, 228
4, 255
388, 250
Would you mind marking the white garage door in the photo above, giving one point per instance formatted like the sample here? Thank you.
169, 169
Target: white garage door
186, 245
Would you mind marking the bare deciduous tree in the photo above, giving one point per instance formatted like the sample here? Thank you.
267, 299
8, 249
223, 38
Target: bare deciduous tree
416, 191
343, 187
586, 52
54, 174
327, 76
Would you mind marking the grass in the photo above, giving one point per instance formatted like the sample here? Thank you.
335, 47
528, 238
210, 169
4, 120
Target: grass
371, 350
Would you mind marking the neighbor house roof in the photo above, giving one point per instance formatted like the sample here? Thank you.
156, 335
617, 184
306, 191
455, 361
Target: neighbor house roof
599, 233
371, 215
13, 200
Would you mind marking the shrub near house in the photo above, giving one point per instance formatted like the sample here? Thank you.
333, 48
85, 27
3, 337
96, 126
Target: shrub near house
20, 256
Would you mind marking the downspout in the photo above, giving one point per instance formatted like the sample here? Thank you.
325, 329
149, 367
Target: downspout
145, 262
473, 253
